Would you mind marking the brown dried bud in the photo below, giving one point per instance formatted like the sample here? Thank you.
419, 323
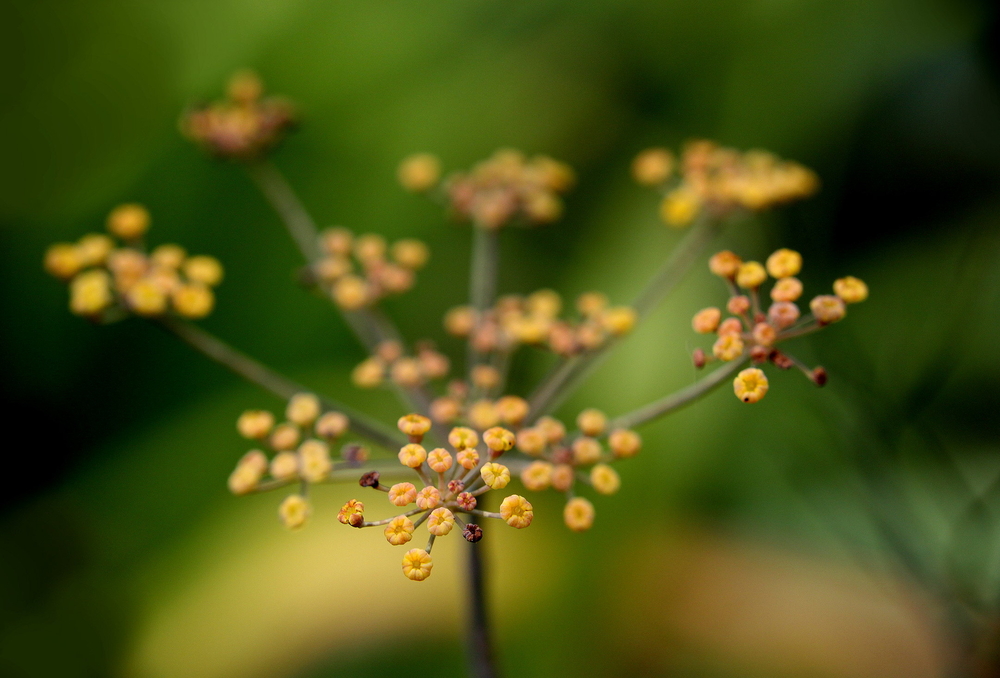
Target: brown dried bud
369, 479
354, 453
781, 360
355, 520
759, 354
466, 501
698, 358
455, 486
472, 533
819, 376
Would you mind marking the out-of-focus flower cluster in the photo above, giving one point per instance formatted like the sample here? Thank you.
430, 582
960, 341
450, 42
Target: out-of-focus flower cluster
390, 362
451, 479
361, 270
243, 126
507, 188
563, 461
300, 452
111, 275
751, 331
715, 180
535, 320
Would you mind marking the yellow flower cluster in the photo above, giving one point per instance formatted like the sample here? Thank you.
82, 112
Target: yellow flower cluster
561, 460
389, 362
712, 179
244, 125
535, 320
507, 188
301, 451
360, 270
450, 481
751, 331
108, 273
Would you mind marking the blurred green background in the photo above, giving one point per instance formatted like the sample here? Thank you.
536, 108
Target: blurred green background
851, 531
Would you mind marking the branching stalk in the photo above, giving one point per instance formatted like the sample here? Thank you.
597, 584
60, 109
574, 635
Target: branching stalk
678, 399
567, 375
276, 383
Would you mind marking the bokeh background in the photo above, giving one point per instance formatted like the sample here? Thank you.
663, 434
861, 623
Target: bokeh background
852, 531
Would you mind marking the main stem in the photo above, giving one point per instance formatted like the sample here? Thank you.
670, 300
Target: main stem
480, 643
483, 272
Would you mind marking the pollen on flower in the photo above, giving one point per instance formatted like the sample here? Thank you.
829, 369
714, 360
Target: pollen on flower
516, 511
496, 476
352, 513
750, 385
706, 321
399, 530
440, 522
852, 290
412, 455
417, 564
605, 479
578, 514
402, 494
294, 511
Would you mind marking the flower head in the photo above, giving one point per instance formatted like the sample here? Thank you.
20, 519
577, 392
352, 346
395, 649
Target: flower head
352, 513
440, 522
750, 385
417, 564
402, 494
294, 511
852, 290
578, 514
516, 511
496, 476
399, 530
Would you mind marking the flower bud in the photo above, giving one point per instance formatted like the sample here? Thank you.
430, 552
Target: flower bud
370, 479
512, 410
428, 498
203, 269
417, 564
586, 451
419, 172
352, 513
724, 264
472, 533
440, 460
764, 334
146, 298
332, 425
455, 486
255, 424
552, 428
591, 304
445, 410
707, 320
129, 221
783, 314
302, 409
369, 373
468, 458
730, 326
410, 253
728, 347
531, 441
399, 530
562, 477
496, 476
750, 275
440, 522
624, 443
605, 479
285, 436
285, 465
402, 494
498, 439
750, 385
516, 511
483, 414
351, 293
414, 425
578, 514
784, 263
412, 455
294, 511
461, 438
63, 260
466, 501
680, 207
787, 289
738, 305
619, 320
698, 358
852, 290
653, 166
828, 308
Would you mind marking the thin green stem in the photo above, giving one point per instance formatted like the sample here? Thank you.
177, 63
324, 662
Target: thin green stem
567, 375
281, 386
678, 399
286, 203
